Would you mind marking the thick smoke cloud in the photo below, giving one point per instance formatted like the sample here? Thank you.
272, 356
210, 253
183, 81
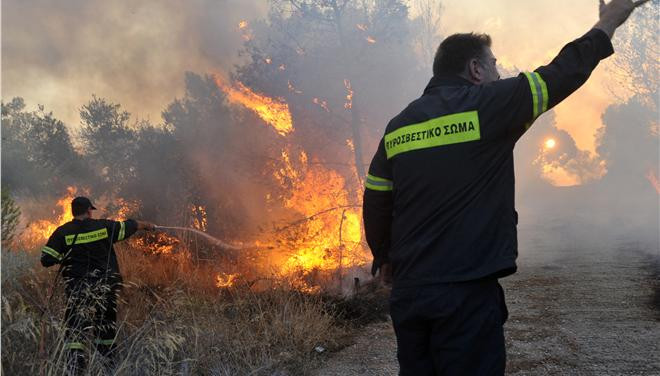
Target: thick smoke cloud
133, 52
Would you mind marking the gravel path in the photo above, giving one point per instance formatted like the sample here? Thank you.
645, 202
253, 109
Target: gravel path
572, 312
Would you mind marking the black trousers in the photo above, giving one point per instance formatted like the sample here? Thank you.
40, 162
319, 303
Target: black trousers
91, 313
450, 329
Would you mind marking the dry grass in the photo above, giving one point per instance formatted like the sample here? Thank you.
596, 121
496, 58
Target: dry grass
173, 320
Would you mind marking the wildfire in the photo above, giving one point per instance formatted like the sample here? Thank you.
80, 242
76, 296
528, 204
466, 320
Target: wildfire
371, 39
199, 219
362, 27
274, 112
650, 175
323, 104
349, 96
223, 280
243, 24
293, 88
329, 235
39, 231
157, 243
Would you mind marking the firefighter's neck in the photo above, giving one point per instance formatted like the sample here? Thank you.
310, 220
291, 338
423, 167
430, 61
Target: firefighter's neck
82, 217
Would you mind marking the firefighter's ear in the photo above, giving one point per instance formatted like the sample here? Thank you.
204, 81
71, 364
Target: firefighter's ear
475, 72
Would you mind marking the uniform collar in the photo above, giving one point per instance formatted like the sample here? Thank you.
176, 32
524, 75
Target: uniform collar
446, 81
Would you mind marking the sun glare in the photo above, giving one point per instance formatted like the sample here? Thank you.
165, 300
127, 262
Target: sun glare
550, 143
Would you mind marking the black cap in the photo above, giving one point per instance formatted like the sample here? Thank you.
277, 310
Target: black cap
80, 205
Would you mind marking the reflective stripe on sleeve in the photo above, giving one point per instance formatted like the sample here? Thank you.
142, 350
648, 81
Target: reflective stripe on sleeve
539, 93
106, 342
122, 231
378, 184
52, 252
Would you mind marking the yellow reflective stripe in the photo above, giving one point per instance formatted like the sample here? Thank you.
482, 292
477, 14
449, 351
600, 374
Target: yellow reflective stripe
544, 90
51, 252
443, 130
535, 95
378, 184
88, 237
539, 91
106, 342
122, 231
74, 346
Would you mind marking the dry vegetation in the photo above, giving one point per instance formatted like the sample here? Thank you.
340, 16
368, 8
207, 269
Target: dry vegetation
174, 320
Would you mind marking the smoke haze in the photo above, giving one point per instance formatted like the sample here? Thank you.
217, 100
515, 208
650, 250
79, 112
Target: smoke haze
595, 184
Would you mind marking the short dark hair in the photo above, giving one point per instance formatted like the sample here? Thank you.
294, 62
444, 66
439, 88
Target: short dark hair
456, 50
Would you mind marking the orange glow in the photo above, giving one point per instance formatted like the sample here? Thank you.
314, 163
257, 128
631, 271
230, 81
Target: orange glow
199, 219
362, 27
243, 24
349, 96
274, 112
126, 208
370, 39
223, 280
39, 231
323, 104
653, 179
329, 234
157, 243
293, 88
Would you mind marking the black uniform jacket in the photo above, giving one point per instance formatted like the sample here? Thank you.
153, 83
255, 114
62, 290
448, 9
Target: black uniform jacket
93, 253
439, 197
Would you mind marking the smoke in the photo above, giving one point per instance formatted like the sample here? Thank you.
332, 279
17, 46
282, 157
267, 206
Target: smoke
136, 53
132, 52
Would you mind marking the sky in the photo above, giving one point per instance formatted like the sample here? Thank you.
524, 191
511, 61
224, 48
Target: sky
52, 54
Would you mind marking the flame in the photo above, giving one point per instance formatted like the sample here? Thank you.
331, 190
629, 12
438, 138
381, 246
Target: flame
126, 208
199, 219
370, 39
243, 24
323, 104
653, 179
362, 27
157, 243
293, 88
349, 96
329, 235
274, 112
223, 280
40, 230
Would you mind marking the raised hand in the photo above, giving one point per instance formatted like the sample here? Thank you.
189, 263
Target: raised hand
615, 13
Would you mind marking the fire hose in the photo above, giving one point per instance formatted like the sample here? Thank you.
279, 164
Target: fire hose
213, 240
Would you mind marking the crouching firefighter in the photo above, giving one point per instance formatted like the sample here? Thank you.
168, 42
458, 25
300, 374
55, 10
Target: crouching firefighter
84, 249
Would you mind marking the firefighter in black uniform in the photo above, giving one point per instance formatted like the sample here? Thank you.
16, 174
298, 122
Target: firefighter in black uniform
84, 249
439, 198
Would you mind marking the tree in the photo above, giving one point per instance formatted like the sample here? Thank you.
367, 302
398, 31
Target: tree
11, 214
343, 66
37, 154
108, 140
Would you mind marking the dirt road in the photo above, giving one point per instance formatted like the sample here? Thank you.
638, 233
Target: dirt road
572, 312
